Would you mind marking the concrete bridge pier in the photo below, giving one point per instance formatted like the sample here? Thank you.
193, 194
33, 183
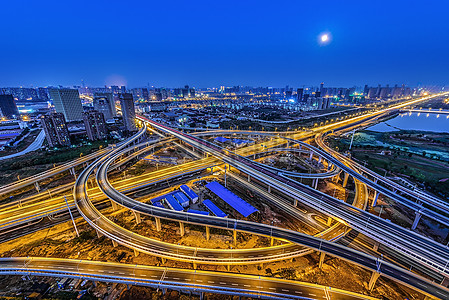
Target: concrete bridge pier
416, 221
114, 205
72, 172
345, 180
182, 229
137, 216
207, 233
376, 197
373, 280
322, 256
158, 223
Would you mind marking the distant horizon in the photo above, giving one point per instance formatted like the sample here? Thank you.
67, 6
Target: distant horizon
227, 86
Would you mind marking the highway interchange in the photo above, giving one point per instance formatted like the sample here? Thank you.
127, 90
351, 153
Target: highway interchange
422, 251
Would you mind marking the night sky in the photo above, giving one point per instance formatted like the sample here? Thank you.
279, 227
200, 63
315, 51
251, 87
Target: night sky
213, 43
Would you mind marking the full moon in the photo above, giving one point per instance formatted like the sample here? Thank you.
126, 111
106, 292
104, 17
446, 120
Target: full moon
324, 38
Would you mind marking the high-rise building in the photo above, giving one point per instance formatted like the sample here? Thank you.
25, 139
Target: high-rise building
128, 111
68, 102
299, 94
8, 108
95, 125
55, 129
104, 103
42, 93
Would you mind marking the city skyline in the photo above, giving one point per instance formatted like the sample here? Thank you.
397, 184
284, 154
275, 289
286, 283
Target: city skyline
211, 44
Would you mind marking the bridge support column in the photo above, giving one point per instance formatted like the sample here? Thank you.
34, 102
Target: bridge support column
416, 221
138, 218
336, 178
36, 185
136, 253
345, 181
207, 233
235, 237
158, 223
182, 229
373, 280
445, 282
72, 172
376, 197
114, 243
114, 205
322, 256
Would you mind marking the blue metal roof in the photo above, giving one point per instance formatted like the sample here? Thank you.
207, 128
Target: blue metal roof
230, 198
199, 212
171, 201
182, 199
214, 209
188, 191
221, 139
159, 198
158, 204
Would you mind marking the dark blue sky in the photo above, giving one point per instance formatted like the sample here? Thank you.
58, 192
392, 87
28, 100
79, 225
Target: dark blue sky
212, 43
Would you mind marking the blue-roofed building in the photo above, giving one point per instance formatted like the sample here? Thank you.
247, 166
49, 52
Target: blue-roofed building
198, 212
230, 198
182, 199
189, 193
221, 139
158, 204
210, 206
173, 203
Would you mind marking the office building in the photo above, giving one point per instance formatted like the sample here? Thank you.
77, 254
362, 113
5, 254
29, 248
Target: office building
8, 108
95, 125
299, 94
55, 128
128, 111
104, 103
67, 102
